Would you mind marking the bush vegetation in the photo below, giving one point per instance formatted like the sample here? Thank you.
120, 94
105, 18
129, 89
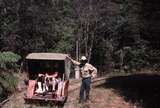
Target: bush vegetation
8, 65
101, 29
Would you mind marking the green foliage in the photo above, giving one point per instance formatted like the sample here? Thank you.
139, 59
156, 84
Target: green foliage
8, 81
55, 26
8, 84
64, 45
8, 60
153, 58
133, 58
136, 58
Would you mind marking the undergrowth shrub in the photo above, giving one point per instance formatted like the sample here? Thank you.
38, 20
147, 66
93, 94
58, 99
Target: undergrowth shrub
8, 60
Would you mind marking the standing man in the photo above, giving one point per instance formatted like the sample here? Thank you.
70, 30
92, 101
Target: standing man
87, 72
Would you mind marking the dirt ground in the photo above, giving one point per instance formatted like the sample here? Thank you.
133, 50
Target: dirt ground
131, 91
100, 98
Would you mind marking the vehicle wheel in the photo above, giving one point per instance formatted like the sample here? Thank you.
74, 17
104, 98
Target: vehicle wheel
61, 105
27, 106
66, 99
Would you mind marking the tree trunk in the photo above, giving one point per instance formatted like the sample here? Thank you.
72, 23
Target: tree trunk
91, 46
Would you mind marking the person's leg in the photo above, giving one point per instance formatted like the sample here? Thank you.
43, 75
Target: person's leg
46, 84
39, 90
88, 84
53, 84
39, 82
82, 89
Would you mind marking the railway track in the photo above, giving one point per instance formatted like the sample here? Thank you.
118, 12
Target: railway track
97, 81
73, 86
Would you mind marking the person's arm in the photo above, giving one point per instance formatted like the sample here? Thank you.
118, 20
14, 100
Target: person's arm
40, 75
93, 71
73, 61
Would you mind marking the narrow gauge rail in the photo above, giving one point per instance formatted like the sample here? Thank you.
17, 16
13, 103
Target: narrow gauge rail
74, 85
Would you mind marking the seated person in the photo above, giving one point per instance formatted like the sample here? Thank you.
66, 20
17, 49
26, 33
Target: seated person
40, 83
51, 81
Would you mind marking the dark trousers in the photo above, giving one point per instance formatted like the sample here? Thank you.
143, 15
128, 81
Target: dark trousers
85, 88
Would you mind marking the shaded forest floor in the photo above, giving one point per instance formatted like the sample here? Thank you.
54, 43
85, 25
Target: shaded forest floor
100, 98
142, 90
132, 91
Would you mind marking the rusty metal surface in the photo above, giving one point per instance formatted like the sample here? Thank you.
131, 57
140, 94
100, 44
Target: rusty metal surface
45, 98
50, 96
47, 56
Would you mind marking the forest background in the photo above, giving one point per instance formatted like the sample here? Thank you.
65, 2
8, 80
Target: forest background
115, 35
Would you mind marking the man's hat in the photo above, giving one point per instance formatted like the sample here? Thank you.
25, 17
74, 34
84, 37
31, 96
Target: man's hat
83, 58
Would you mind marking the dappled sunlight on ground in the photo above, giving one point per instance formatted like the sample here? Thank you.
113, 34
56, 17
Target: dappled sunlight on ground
142, 89
100, 98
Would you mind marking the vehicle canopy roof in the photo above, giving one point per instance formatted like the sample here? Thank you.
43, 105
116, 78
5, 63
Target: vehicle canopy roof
46, 56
